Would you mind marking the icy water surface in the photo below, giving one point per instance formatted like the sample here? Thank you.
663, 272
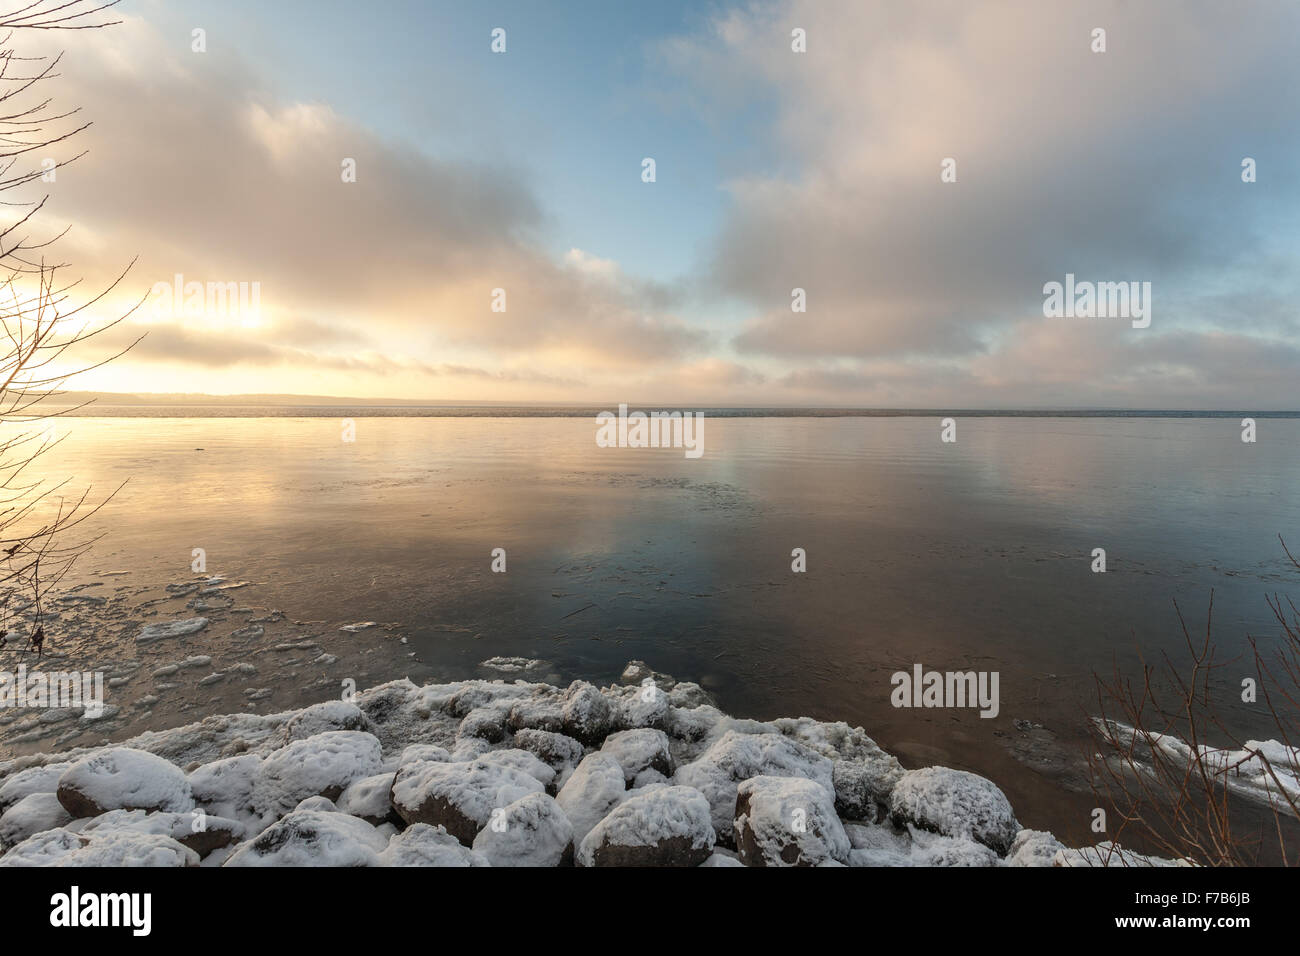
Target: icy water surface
967, 556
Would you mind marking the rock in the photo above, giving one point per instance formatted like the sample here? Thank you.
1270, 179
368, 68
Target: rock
522, 761
458, 796
487, 723
631, 707
423, 845
585, 714
639, 750
661, 826
122, 778
62, 847
324, 764
788, 821
722, 858
636, 673
595, 788
862, 787
369, 799
562, 754
532, 831
1033, 848
313, 838
225, 786
201, 833
955, 803
736, 757
324, 717
536, 713
32, 780
33, 814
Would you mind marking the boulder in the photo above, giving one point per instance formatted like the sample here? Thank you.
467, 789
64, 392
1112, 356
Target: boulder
425, 845
788, 821
639, 750
595, 788
660, 826
122, 778
313, 838
33, 814
460, 797
532, 831
955, 803
321, 765
736, 757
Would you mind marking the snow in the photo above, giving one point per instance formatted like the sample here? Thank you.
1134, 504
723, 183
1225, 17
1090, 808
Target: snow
532, 831
122, 778
225, 787
202, 834
168, 629
43, 779
322, 764
1107, 853
788, 821
585, 715
61, 847
955, 803
1033, 848
313, 838
368, 798
639, 750
33, 814
461, 774
1244, 770
423, 845
595, 788
661, 826
512, 665
736, 757
459, 796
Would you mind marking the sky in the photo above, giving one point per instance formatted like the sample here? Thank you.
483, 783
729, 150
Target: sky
775, 170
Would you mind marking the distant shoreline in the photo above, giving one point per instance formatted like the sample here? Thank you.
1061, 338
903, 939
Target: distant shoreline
101, 409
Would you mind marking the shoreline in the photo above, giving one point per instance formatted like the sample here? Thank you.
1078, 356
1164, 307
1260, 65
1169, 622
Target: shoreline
646, 772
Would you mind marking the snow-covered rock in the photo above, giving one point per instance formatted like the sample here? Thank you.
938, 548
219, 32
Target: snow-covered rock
788, 821
423, 845
369, 799
736, 757
660, 826
458, 796
324, 717
313, 838
324, 765
955, 803
201, 832
639, 750
585, 714
31, 815
122, 778
532, 831
595, 788
22, 783
1033, 848
62, 847
225, 787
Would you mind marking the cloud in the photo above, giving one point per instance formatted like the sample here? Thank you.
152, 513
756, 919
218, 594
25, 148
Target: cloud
1122, 165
